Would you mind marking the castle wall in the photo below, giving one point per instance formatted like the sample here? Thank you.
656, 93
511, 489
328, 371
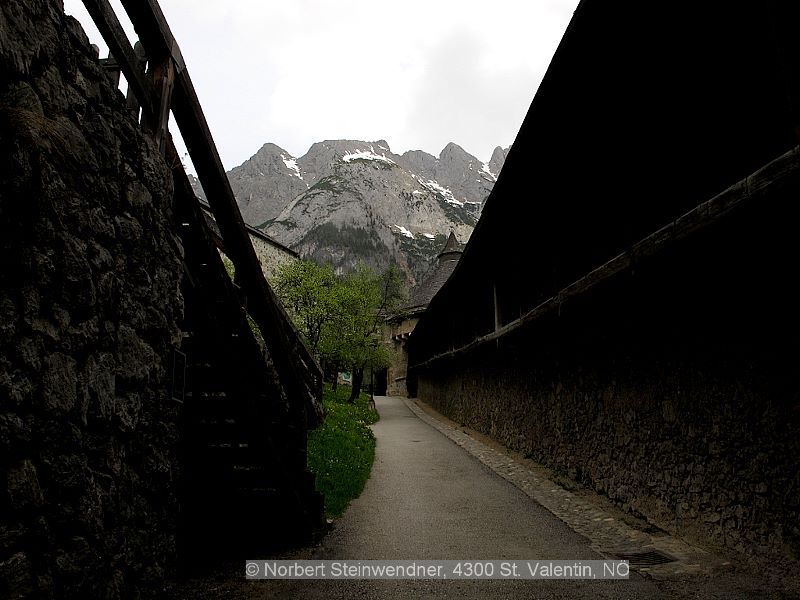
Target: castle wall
671, 387
89, 313
398, 370
271, 257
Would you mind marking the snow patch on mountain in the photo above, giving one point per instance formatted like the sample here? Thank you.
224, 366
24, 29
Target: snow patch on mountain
436, 188
291, 164
367, 155
405, 231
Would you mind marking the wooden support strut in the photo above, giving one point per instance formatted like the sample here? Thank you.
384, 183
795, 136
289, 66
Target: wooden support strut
162, 77
276, 328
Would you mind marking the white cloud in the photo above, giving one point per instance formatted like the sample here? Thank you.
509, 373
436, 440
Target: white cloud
419, 73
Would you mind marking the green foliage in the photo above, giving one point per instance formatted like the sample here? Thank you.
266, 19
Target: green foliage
330, 184
341, 316
307, 291
357, 240
456, 214
375, 164
342, 449
365, 298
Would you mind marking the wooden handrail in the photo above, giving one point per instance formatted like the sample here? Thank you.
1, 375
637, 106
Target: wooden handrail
287, 348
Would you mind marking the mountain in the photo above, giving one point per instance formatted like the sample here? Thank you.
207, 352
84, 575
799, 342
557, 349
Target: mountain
265, 183
346, 201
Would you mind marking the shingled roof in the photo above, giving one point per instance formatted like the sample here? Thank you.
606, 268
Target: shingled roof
447, 260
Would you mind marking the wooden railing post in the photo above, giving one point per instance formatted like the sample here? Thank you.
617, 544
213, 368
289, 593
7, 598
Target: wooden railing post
114, 35
162, 75
131, 101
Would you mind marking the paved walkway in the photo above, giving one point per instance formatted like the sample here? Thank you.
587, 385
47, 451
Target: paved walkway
431, 498
609, 531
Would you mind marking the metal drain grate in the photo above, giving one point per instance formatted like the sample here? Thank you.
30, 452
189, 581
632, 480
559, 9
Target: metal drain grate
645, 559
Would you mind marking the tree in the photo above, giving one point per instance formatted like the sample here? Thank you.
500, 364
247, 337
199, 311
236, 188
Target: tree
366, 299
341, 316
308, 293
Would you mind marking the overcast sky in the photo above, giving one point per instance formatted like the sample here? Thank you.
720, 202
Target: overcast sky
417, 73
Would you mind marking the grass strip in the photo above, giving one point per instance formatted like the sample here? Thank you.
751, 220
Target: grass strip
342, 449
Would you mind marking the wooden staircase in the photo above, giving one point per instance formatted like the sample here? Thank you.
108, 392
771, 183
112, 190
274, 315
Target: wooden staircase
245, 483
249, 386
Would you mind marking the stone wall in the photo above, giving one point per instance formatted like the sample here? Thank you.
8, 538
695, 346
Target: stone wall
694, 454
270, 256
89, 313
672, 388
397, 372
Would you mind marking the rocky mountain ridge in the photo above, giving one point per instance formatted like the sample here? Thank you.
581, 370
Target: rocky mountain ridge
346, 201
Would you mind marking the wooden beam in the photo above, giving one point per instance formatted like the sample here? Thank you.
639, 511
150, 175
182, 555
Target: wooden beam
152, 28
162, 76
204, 249
110, 28
154, 91
183, 191
496, 307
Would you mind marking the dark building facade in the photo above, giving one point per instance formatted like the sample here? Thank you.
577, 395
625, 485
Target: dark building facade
625, 311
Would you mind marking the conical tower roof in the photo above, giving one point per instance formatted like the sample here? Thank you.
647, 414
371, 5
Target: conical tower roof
446, 261
452, 246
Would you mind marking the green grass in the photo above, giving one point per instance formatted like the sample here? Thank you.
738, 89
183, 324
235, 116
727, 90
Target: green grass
341, 450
